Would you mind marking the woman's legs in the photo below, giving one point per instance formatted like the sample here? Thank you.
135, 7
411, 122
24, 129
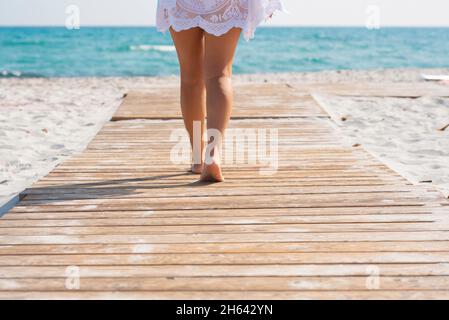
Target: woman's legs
190, 49
218, 58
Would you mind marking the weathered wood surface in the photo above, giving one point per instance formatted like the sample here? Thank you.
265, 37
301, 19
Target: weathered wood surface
331, 223
282, 100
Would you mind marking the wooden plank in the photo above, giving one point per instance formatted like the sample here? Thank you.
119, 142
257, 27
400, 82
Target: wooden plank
273, 270
223, 284
142, 192
225, 258
150, 221
427, 235
229, 295
204, 203
228, 206
227, 228
89, 212
299, 247
222, 198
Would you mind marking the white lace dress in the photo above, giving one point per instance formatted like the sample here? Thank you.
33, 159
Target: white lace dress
215, 16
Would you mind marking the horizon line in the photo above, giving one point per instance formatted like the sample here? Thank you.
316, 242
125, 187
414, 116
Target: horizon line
263, 26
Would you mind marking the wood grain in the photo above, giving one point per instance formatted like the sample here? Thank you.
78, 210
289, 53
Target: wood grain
139, 226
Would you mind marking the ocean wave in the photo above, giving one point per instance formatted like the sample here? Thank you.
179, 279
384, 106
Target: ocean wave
149, 47
18, 74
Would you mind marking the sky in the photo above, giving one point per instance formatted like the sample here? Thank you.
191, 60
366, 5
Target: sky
303, 12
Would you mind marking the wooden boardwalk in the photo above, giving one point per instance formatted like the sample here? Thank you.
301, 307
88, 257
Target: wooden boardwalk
251, 101
331, 223
254, 100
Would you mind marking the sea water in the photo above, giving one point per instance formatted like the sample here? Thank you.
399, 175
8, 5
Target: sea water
118, 51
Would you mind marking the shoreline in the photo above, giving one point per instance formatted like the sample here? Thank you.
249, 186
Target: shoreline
44, 121
411, 74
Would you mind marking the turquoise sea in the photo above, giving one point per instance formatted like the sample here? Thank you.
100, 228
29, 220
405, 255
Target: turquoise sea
57, 52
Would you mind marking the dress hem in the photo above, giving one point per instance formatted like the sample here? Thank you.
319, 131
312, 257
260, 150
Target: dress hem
177, 28
248, 27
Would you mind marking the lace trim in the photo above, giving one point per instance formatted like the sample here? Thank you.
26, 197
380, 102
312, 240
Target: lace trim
258, 11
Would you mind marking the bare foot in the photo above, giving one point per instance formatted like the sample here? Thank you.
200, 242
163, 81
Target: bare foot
197, 168
212, 173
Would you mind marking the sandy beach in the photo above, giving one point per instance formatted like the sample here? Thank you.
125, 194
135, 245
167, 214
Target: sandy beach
45, 121
406, 134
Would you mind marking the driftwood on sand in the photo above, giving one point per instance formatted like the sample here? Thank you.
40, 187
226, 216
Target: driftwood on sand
443, 128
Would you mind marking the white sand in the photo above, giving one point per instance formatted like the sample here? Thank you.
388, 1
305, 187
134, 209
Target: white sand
403, 133
44, 121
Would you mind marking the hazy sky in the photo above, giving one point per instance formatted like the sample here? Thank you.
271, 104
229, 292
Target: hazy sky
303, 12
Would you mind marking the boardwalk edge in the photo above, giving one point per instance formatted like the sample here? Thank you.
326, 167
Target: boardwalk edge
9, 204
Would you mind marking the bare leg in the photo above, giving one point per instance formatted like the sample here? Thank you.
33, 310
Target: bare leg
218, 59
190, 49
